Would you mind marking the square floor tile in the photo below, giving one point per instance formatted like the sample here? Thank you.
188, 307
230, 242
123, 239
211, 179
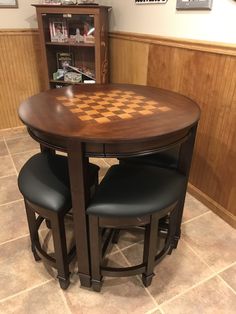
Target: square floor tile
130, 237
118, 295
21, 158
229, 275
14, 132
213, 239
22, 144
18, 270
193, 208
12, 221
176, 273
44, 299
6, 166
3, 148
211, 297
9, 191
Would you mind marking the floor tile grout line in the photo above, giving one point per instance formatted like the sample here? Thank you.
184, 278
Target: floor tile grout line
147, 291
194, 218
9, 175
15, 239
188, 289
11, 157
26, 290
12, 202
199, 256
155, 309
64, 301
25, 151
225, 268
226, 283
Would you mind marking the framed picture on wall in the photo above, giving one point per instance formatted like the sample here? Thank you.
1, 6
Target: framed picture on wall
8, 4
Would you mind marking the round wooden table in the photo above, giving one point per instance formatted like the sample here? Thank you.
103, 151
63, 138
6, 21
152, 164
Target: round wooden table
113, 120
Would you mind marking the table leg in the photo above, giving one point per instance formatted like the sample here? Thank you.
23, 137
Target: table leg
78, 166
185, 158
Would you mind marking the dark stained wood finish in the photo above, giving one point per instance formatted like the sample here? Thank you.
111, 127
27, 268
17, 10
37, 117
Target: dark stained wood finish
46, 113
51, 123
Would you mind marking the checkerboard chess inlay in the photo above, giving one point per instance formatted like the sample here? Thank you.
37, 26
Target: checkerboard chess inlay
112, 106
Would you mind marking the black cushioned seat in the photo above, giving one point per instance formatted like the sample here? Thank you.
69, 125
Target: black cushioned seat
136, 191
44, 181
134, 196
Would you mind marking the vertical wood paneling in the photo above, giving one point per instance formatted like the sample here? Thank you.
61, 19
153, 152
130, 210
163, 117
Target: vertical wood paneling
128, 62
21, 73
207, 74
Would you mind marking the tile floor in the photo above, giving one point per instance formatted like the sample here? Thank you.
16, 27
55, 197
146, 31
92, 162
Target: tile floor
199, 277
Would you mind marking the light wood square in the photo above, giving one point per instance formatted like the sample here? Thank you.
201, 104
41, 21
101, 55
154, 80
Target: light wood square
145, 112
99, 107
76, 110
103, 102
114, 109
92, 112
136, 101
150, 107
84, 106
164, 108
129, 93
94, 97
118, 104
134, 106
151, 102
125, 116
110, 99
129, 110
89, 101
140, 97
85, 118
102, 120
107, 114
100, 94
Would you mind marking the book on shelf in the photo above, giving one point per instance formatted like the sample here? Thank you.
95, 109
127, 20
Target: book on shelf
58, 30
64, 60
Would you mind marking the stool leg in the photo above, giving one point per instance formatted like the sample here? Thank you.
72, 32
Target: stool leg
95, 252
32, 230
48, 224
116, 236
149, 253
172, 229
59, 241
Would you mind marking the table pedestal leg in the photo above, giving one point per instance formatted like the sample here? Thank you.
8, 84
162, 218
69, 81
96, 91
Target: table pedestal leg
78, 166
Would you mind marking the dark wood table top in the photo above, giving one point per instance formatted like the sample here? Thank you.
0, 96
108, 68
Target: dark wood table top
109, 113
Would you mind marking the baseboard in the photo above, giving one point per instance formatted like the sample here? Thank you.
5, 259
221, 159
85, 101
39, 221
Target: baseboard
214, 206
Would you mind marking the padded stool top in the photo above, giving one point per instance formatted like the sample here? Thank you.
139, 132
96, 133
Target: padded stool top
128, 191
44, 181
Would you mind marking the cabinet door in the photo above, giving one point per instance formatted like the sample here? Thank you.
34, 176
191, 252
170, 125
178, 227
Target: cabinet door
70, 42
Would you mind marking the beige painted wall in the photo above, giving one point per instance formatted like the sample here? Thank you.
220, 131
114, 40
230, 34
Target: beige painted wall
217, 25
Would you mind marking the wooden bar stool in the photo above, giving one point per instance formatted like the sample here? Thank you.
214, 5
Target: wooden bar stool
44, 184
130, 196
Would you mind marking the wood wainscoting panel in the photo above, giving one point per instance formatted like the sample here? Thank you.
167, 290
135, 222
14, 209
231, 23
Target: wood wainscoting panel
210, 80
128, 61
205, 72
21, 75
